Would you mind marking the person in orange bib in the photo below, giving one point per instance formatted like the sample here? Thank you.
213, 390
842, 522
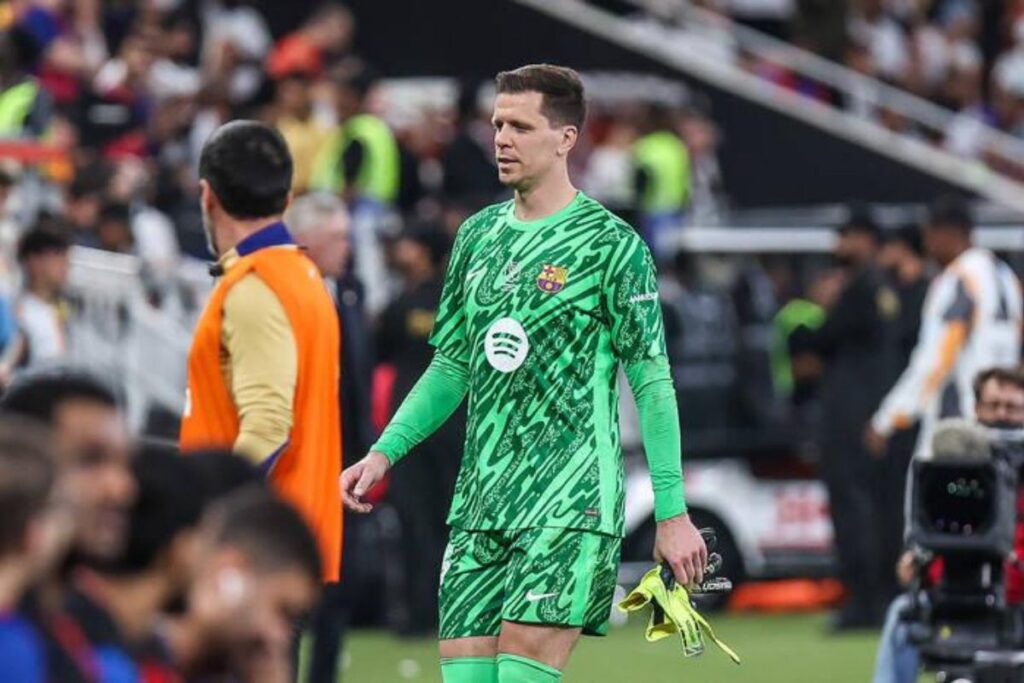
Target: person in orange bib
263, 370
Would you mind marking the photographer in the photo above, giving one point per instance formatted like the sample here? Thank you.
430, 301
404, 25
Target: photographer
999, 403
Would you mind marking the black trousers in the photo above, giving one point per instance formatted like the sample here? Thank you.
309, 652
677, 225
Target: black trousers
850, 475
421, 493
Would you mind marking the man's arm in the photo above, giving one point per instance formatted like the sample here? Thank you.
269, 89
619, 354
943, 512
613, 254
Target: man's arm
264, 368
430, 403
638, 340
934, 357
655, 396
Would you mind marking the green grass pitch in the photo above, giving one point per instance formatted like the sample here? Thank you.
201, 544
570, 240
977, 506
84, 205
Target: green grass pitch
775, 649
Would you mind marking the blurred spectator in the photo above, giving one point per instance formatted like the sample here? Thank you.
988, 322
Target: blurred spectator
971, 320
236, 41
293, 115
420, 493
320, 224
256, 574
83, 201
874, 27
361, 161
662, 179
857, 361
41, 308
120, 603
25, 108
702, 139
326, 34
903, 260
114, 230
820, 26
470, 175
610, 171
702, 337
27, 474
112, 114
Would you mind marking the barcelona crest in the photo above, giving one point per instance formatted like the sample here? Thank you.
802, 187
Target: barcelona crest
552, 278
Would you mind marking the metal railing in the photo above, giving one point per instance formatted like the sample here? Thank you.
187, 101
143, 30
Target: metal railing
877, 93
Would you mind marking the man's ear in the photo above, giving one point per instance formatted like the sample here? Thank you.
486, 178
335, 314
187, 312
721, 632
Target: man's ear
570, 134
207, 197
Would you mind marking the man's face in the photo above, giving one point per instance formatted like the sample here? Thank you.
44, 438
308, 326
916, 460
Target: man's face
941, 242
411, 257
855, 247
1000, 404
49, 269
328, 245
245, 616
526, 145
95, 476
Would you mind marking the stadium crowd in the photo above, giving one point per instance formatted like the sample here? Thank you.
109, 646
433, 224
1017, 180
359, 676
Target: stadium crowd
964, 55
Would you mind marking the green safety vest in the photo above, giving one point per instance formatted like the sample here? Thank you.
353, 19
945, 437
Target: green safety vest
794, 315
665, 160
15, 104
380, 172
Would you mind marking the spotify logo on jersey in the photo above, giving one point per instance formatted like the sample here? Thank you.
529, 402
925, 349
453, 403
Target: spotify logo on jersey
506, 345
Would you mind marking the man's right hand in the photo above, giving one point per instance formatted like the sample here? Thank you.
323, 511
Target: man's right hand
360, 478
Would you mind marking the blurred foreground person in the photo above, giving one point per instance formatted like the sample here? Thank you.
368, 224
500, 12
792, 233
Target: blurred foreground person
27, 474
90, 509
119, 603
256, 575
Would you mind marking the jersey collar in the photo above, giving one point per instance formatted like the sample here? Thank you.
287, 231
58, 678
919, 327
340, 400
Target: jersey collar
274, 235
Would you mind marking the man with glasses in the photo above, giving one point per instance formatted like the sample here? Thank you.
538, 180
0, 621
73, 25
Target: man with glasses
999, 404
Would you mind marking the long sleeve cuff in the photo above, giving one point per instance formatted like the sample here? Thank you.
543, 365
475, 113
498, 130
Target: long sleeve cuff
651, 383
431, 402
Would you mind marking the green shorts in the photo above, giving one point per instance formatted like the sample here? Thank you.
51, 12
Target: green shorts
557, 577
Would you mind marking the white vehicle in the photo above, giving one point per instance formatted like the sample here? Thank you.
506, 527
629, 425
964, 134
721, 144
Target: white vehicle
770, 524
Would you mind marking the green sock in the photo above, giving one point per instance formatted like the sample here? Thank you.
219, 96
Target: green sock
516, 669
469, 670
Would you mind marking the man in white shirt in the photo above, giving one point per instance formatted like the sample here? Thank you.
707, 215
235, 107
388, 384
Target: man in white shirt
40, 308
971, 320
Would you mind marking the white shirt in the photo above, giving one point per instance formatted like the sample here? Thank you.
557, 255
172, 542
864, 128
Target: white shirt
978, 291
41, 324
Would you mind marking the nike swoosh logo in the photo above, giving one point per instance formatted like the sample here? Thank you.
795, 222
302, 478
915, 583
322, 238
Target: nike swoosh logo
534, 597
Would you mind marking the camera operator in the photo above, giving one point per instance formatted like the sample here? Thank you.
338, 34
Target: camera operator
999, 403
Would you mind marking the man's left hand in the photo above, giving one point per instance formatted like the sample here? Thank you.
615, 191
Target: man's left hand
679, 543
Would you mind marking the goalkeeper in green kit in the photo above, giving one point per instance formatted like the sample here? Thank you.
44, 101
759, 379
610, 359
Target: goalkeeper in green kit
545, 296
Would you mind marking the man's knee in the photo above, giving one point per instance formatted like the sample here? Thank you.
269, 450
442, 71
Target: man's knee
549, 645
481, 646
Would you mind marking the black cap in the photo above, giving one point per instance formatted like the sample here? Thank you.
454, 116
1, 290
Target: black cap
860, 220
